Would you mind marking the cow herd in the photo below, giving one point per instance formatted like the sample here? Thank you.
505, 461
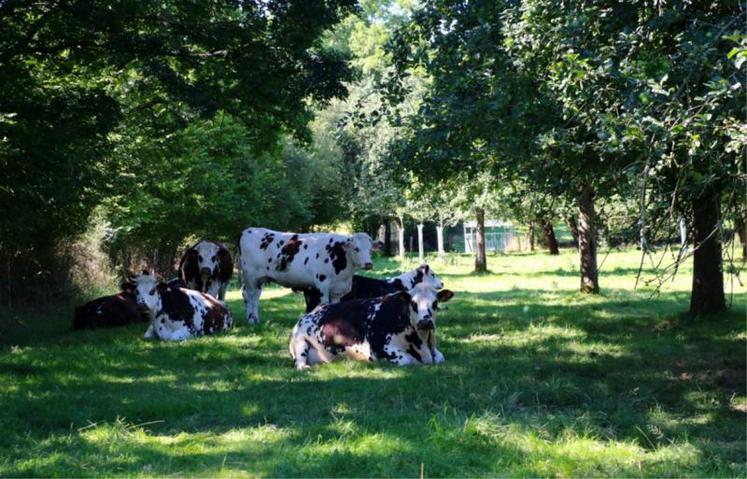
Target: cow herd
347, 315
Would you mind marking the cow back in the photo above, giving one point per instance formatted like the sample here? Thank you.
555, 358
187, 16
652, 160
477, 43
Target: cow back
363, 288
108, 311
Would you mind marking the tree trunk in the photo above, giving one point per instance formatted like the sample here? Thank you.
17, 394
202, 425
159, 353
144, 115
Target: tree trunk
421, 255
587, 241
549, 234
387, 237
401, 236
707, 295
531, 236
481, 263
741, 226
573, 227
440, 240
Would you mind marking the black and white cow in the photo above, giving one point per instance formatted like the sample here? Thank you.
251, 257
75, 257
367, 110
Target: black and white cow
207, 267
399, 328
365, 287
324, 261
179, 313
110, 311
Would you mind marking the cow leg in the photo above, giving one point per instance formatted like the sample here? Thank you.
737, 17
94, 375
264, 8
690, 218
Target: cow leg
438, 357
300, 351
178, 334
251, 296
325, 295
397, 356
404, 359
315, 357
150, 332
222, 291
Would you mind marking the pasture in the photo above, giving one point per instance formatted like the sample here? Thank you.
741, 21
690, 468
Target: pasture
539, 380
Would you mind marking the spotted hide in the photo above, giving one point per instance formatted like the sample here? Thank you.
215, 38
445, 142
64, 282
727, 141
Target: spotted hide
365, 287
207, 267
399, 328
110, 311
179, 313
324, 261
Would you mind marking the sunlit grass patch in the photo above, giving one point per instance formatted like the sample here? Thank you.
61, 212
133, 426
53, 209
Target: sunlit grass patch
539, 380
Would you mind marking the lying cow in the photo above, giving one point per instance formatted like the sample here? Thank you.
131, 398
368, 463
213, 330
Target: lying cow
324, 261
207, 267
399, 328
364, 287
179, 313
109, 311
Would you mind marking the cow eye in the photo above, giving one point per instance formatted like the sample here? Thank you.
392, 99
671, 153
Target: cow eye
212, 259
152, 292
357, 250
200, 257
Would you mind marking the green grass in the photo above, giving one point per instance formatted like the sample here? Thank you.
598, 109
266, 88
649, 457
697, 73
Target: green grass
539, 380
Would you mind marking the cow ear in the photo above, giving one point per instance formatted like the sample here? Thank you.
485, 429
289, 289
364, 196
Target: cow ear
127, 286
161, 287
444, 295
377, 246
404, 296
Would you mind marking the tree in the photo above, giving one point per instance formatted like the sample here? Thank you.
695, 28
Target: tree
576, 98
689, 62
76, 78
474, 198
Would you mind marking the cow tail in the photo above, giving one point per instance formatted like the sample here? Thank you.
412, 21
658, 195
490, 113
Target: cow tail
239, 273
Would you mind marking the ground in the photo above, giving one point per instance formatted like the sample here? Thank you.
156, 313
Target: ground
539, 380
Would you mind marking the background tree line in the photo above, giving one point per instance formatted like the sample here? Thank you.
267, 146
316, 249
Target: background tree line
171, 119
588, 102
147, 124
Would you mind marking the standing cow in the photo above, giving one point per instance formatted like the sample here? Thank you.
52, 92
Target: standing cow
207, 267
324, 261
365, 287
179, 313
399, 328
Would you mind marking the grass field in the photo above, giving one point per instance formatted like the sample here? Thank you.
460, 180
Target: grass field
539, 380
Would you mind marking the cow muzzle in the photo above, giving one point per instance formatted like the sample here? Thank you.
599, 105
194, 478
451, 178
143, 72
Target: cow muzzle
143, 308
426, 325
368, 266
204, 272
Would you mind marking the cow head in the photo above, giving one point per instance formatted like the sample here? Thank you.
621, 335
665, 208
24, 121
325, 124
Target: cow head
424, 274
422, 301
206, 256
147, 287
359, 247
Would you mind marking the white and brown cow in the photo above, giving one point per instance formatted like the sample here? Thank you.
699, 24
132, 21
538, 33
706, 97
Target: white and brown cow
399, 328
179, 313
324, 261
365, 287
207, 267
